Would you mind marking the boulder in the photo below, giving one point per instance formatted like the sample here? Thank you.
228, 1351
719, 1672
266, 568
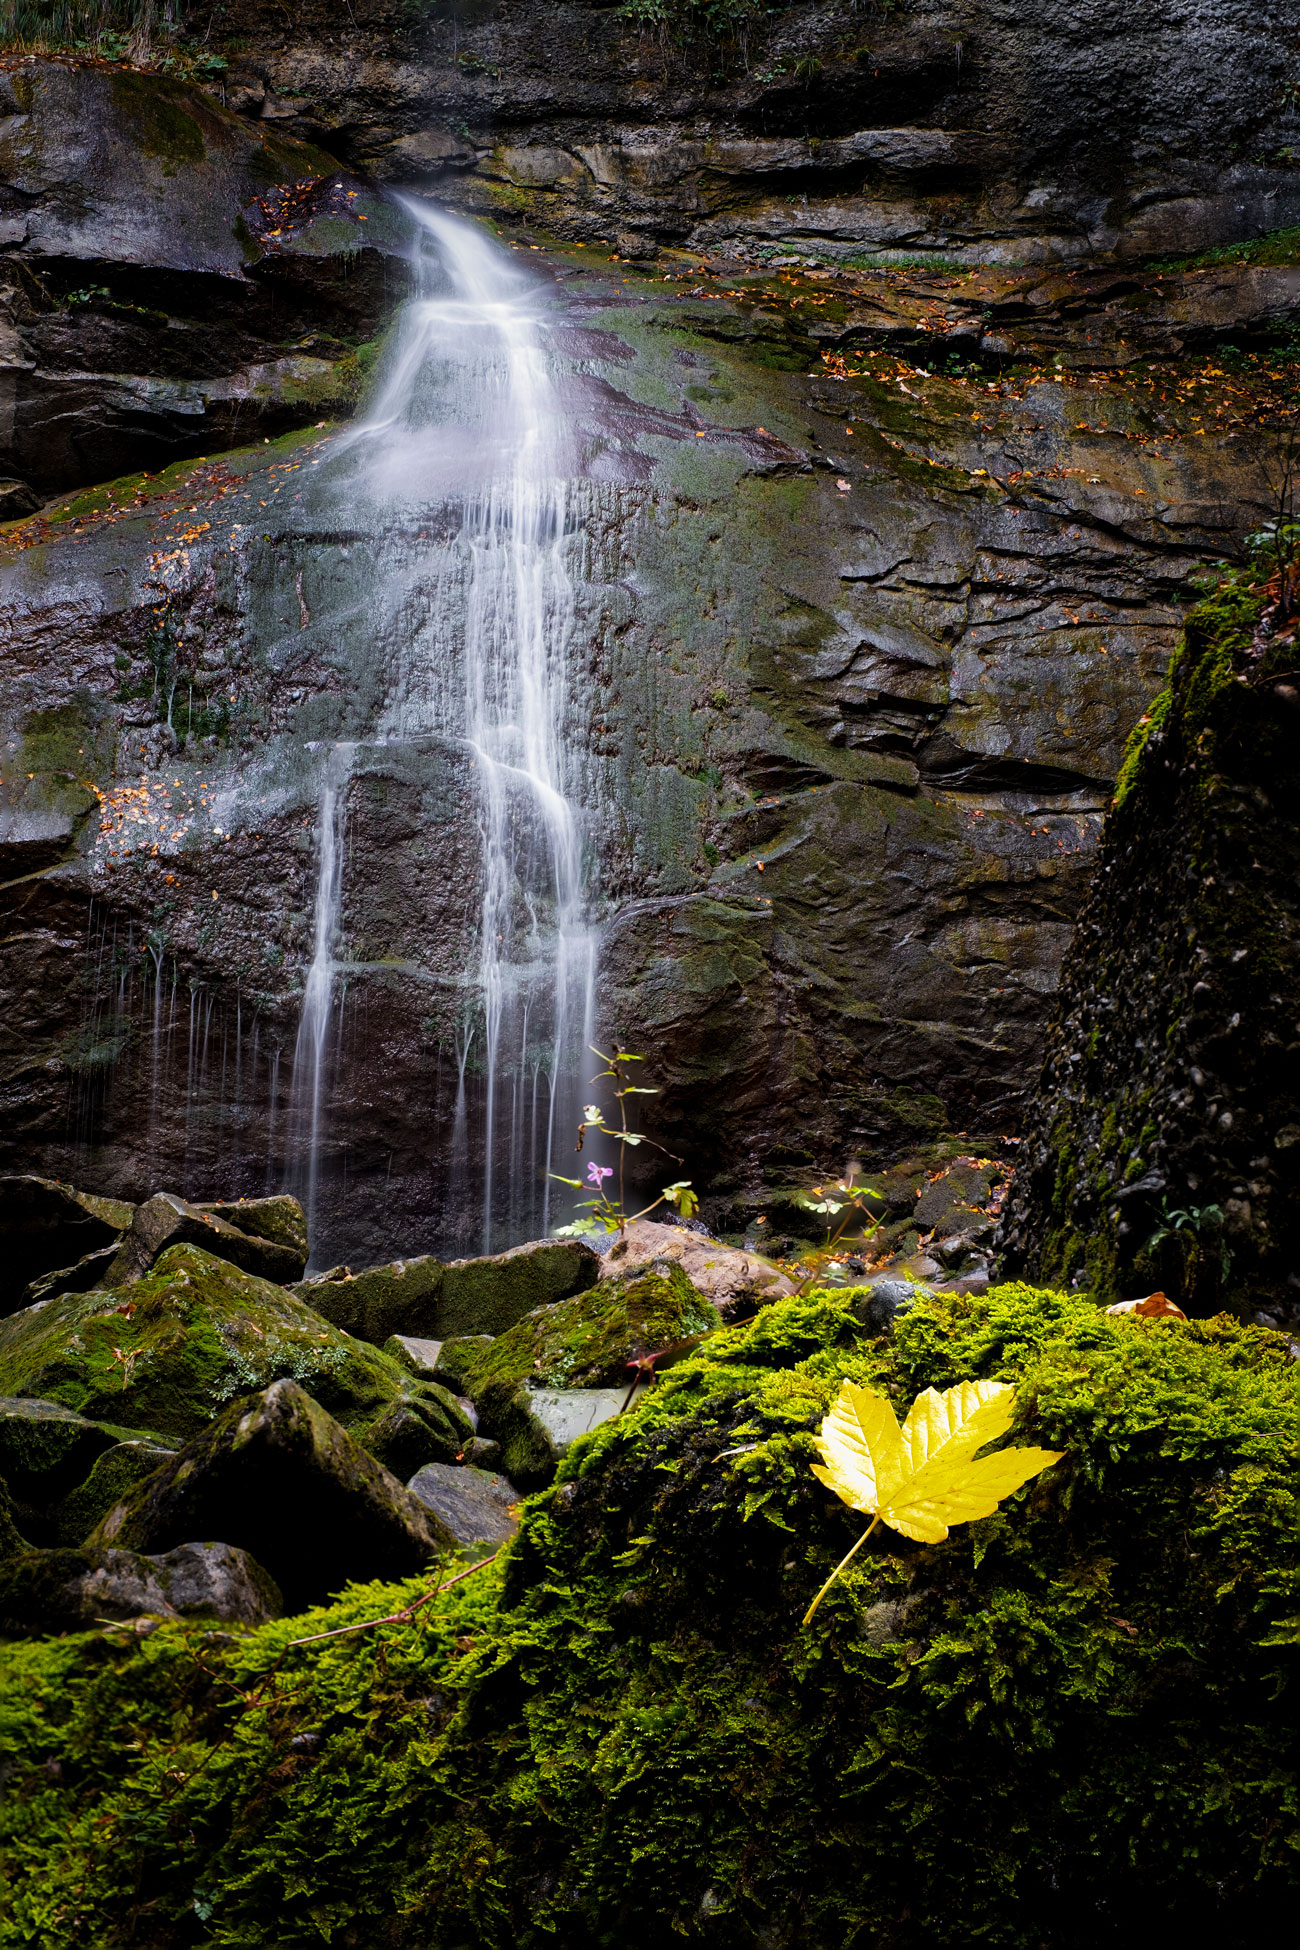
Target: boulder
281, 1478
87, 1272
477, 1506
166, 1220
427, 1427
427, 1300
590, 1340
72, 1590
113, 1475
418, 1355
11, 1538
44, 1224
535, 1427
167, 1352
45, 1451
736, 1281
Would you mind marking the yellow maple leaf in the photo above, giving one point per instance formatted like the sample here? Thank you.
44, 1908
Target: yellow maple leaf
924, 1477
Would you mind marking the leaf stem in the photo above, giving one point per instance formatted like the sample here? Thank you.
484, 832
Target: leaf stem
844, 1561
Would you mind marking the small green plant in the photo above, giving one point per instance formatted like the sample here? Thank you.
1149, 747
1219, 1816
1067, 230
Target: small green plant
1205, 1223
606, 1214
676, 22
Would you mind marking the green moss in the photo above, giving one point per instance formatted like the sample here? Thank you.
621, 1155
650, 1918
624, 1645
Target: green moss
1275, 247
167, 1353
157, 113
587, 1341
1076, 1709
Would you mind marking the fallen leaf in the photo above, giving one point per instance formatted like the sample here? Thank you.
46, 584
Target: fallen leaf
1156, 1306
924, 1477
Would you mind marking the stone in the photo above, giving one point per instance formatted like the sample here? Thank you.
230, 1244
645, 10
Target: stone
169, 1351
880, 1303
17, 500
45, 1451
12, 1539
113, 1475
48, 1591
737, 1282
477, 1506
45, 1224
419, 1356
426, 1299
1151, 1158
280, 1221
431, 1427
168, 1220
172, 188
590, 1340
283, 1480
89, 1271
458, 1359
536, 1426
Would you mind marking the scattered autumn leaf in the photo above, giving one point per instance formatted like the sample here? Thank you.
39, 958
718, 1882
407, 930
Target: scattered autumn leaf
924, 1477
1156, 1306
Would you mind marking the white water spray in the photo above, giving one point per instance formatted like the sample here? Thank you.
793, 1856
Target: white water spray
467, 424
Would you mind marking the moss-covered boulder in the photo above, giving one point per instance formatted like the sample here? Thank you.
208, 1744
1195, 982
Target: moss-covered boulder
563, 1369
45, 1451
113, 1475
272, 1245
428, 1426
284, 1481
429, 1300
589, 1341
168, 1352
1067, 1724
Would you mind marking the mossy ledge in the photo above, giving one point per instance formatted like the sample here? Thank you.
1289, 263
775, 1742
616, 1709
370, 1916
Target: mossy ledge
1162, 1149
1069, 1720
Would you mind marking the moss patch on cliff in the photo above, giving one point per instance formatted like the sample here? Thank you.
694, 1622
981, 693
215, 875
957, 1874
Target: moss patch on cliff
1158, 1152
1076, 1710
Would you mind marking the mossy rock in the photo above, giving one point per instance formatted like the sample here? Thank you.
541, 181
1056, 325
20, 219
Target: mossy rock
428, 1300
114, 1475
278, 1477
588, 1341
168, 1352
428, 1427
1078, 1710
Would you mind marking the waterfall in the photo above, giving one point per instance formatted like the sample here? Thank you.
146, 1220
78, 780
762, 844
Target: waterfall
466, 434
311, 1051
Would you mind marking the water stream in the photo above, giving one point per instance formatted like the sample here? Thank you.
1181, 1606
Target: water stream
466, 436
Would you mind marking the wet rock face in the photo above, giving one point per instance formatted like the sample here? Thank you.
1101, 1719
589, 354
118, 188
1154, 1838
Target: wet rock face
853, 660
1040, 131
169, 281
1162, 1148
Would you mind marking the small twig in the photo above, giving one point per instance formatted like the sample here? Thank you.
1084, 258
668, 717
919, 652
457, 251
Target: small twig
399, 1617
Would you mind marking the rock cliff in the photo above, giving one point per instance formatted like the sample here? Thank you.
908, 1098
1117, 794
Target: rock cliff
874, 568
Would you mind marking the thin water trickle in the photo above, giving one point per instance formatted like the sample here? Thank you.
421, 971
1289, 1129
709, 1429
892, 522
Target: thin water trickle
468, 416
311, 1056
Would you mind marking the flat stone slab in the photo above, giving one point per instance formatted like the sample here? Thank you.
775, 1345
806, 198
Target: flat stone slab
415, 1352
567, 1413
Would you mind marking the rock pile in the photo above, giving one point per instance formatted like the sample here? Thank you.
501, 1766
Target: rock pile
190, 1427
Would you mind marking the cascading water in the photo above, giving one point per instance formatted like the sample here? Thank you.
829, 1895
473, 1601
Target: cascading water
466, 436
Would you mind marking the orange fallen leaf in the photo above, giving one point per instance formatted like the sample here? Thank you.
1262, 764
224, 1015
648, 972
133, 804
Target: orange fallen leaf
1156, 1306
